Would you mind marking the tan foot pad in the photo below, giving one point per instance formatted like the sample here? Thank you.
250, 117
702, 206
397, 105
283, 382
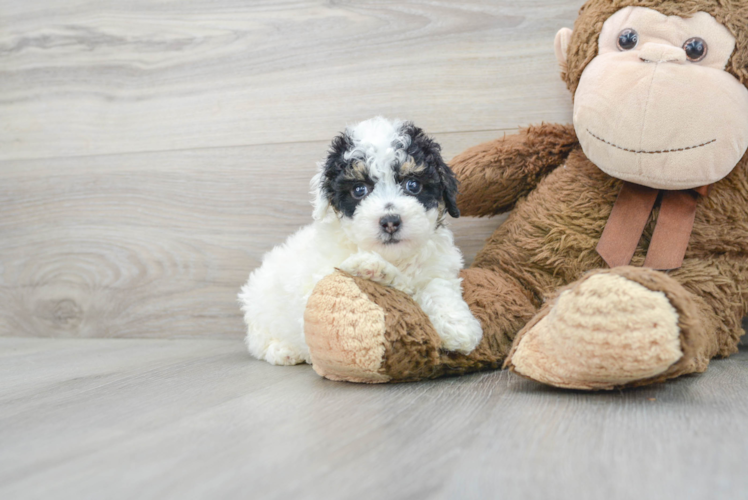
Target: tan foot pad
606, 332
352, 347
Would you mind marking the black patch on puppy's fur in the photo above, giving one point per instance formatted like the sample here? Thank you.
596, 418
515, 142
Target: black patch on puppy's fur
337, 181
439, 182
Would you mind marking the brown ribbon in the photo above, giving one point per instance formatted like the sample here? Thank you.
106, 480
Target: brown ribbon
629, 218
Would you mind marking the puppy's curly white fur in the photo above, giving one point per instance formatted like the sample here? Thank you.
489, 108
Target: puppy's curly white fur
381, 199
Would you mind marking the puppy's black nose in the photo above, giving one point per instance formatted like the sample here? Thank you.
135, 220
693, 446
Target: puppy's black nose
390, 223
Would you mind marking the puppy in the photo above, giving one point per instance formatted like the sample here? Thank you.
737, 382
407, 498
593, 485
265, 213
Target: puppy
381, 200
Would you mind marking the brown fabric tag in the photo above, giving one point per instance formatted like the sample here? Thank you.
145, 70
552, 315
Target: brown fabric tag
630, 215
626, 224
704, 190
673, 230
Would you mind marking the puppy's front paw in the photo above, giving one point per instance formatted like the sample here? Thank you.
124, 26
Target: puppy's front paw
459, 330
371, 266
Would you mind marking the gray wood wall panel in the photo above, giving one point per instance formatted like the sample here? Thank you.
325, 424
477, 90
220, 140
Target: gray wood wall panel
155, 244
152, 152
100, 77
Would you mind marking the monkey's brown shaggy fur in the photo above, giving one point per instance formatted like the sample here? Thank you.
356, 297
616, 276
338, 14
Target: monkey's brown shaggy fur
548, 242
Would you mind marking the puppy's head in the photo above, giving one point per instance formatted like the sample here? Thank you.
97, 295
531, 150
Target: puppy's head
388, 184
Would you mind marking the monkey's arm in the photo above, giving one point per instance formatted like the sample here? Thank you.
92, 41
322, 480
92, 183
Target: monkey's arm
495, 175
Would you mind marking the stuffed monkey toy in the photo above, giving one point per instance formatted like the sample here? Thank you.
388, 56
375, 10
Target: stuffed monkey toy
624, 261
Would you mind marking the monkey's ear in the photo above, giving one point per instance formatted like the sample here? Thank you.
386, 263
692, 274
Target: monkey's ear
563, 39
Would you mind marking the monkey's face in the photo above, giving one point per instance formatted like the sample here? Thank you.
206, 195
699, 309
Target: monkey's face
656, 106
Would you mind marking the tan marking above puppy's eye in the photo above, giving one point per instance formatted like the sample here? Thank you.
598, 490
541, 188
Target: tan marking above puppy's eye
628, 39
410, 168
357, 171
696, 49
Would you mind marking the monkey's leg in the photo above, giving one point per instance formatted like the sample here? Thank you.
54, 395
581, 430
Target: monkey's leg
617, 328
360, 331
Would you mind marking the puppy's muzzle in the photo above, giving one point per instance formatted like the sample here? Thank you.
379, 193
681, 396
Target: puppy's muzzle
390, 223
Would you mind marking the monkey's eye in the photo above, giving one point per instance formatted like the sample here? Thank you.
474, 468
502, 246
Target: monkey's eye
696, 49
413, 186
359, 191
628, 39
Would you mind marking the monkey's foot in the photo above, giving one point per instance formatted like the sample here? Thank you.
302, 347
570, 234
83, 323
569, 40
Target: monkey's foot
361, 331
611, 329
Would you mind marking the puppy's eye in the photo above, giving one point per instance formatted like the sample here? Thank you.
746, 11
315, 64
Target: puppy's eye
628, 39
696, 49
359, 191
413, 186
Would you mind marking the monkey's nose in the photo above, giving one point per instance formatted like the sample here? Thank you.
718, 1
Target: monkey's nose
390, 223
660, 53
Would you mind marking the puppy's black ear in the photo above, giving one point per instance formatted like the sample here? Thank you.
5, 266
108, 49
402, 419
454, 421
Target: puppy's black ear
336, 162
449, 183
323, 183
425, 150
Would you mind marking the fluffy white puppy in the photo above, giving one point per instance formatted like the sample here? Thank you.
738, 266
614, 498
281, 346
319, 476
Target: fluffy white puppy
381, 199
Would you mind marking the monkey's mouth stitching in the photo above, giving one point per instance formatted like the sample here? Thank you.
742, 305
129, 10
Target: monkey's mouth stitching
650, 152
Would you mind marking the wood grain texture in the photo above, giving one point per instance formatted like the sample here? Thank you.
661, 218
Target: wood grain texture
152, 151
155, 244
100, 77
154, 419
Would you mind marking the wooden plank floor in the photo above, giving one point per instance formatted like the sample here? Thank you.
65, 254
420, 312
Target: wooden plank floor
155, 419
